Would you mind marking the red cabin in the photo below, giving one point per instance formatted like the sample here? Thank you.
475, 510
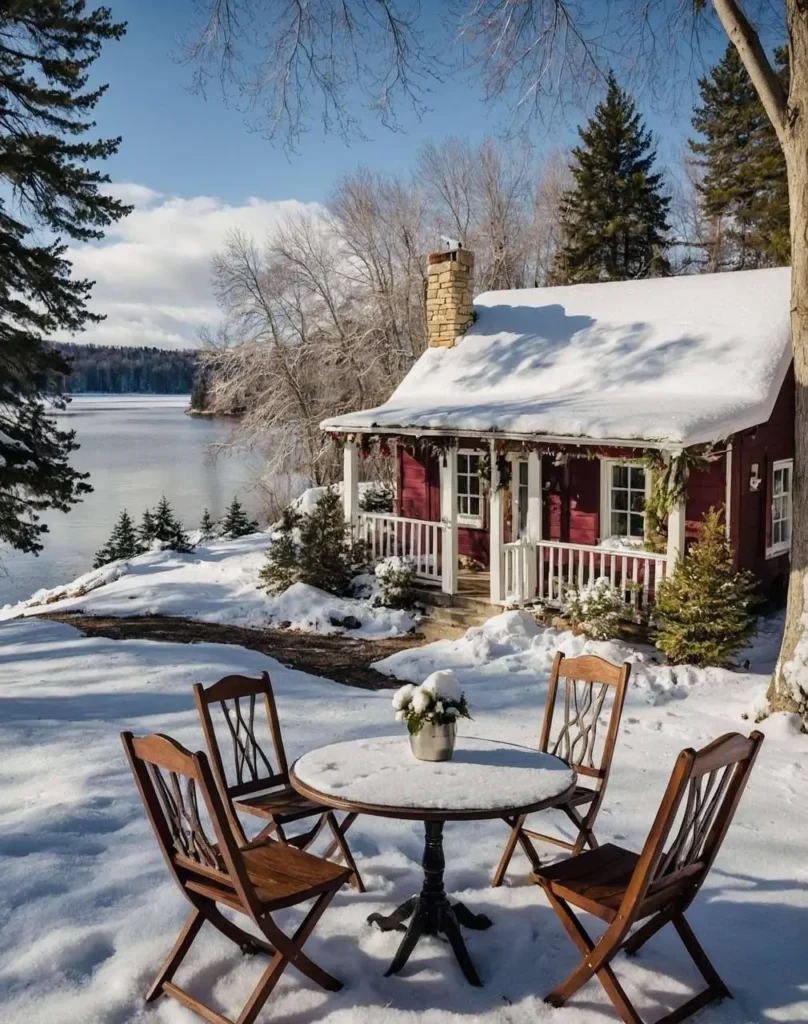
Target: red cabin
538, 431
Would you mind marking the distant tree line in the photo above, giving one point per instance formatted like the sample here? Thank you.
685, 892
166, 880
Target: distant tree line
117, 370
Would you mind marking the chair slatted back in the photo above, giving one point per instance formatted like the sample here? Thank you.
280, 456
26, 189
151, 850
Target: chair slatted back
239, 697
170, 780
587, 688
694, 816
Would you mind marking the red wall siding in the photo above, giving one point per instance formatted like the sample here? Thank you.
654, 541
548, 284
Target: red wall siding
763, 445
706, 489
571, 508
419, 498
584, 501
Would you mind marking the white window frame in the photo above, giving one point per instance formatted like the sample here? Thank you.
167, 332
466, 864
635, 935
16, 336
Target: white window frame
782, 547
606, 501
516, 505
464, 519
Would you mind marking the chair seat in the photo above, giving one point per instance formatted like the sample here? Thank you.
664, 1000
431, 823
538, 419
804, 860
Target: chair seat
281, 876
281, 804
596, 880
581, 795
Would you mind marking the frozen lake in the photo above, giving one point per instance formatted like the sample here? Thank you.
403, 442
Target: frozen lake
135, 448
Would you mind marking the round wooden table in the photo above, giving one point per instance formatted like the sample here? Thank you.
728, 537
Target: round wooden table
484, 779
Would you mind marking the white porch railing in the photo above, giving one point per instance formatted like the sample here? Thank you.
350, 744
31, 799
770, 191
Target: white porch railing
542, 571
416, 539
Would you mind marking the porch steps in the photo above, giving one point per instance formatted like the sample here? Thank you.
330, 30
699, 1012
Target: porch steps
469, 607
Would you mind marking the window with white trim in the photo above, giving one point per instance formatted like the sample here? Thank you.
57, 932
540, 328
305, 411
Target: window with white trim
781, 510
469, 501
625, 495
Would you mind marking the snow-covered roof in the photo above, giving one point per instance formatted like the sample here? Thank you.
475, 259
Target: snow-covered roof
677, 360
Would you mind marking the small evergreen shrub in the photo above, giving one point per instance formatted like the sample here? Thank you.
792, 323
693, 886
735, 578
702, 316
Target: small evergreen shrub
704, 612
123, 542
282, 567
396, 578
597, 610
207, 525
236, 522
163, 527
315, 548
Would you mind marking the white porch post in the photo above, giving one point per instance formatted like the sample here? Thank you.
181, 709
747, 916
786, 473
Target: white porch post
448, 515
534, 516
350, 483
676, 533
496, 533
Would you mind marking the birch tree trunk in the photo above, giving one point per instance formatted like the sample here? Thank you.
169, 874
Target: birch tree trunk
788, 690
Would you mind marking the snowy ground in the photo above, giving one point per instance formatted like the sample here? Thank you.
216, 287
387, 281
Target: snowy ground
216, 582
87, 908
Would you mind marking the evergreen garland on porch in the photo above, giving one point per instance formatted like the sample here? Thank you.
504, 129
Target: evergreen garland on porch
669, 486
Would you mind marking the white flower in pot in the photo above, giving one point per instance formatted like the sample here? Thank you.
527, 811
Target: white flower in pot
431, 711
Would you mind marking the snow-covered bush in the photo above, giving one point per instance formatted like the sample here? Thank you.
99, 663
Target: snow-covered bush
396, 579
438, 701
597, 610
376, 497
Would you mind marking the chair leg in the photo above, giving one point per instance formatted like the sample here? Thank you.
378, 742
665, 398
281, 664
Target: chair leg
700, 958
597, 957
338, 831
716, 989
289, 951
638, 939
518, 835
510, 847
586, 837
291, 948
247, 943
189, 932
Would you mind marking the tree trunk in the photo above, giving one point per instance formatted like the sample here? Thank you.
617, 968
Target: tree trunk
788, 690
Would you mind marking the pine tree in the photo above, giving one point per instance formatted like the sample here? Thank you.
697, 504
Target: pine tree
146, 529
704, 611
744, 191
206, 525
167, 529
282, 567
50, 192
315, 549
123, 542
614, 219
236, 522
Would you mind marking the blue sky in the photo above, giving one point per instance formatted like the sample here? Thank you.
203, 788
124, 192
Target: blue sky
183, 144
195, 171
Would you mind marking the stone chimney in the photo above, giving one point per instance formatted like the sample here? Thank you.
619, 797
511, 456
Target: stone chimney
450, 279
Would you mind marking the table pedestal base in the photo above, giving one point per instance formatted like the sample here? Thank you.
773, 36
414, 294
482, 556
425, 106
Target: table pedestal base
431, 913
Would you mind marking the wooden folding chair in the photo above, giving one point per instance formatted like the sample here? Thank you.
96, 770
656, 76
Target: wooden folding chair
253, 881
256, 787
657, 886
592, 688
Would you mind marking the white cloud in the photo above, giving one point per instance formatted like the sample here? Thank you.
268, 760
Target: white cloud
152, 271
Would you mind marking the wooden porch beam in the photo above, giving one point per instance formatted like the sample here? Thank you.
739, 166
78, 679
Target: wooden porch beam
448, 515
496, 532
350, 483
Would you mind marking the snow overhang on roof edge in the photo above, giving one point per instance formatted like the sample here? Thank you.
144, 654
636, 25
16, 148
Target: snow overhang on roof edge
332, 427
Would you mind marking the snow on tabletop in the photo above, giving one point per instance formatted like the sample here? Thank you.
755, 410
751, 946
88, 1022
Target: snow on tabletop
680, 360
482, 775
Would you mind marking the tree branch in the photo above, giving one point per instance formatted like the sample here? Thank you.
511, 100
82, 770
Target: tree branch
747, 42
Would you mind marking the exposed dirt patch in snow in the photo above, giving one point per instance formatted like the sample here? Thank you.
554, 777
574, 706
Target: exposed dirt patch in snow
333, 655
